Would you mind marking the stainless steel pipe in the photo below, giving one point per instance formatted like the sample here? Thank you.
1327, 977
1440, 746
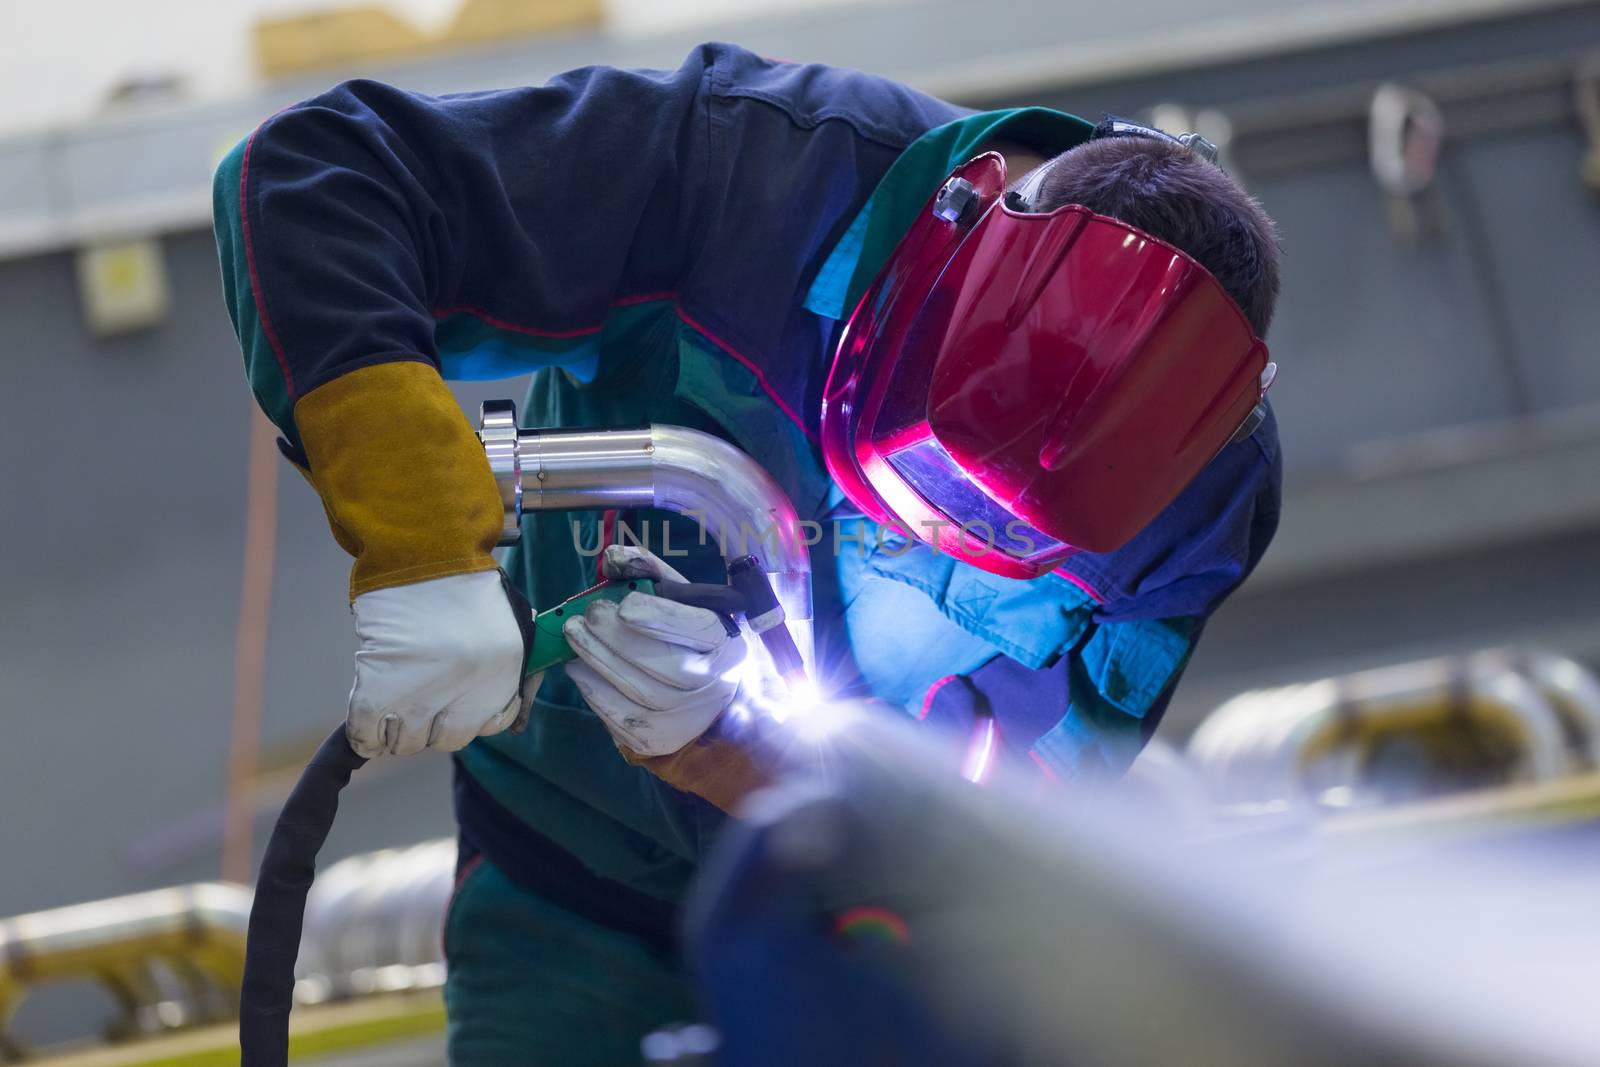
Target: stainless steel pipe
685, 471
1302, 744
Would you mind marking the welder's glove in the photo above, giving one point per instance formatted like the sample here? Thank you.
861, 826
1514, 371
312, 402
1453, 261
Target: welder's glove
658, 673
440, 663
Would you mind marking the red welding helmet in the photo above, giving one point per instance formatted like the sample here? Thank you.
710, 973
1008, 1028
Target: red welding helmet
1017, 386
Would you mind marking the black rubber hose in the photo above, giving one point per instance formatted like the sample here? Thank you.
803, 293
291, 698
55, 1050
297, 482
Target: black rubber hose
279, 908
278, 912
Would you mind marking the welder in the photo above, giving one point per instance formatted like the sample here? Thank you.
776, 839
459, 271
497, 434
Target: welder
1009, 362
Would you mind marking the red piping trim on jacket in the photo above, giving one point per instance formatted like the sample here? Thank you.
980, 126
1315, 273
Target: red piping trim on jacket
512, 327
749, 366
455, 890
256, 295
927, 700
1061, 572
1043, 766
533, 331
628, 301
644, 298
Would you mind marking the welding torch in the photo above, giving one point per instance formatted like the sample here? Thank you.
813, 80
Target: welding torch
288, 867
748, 593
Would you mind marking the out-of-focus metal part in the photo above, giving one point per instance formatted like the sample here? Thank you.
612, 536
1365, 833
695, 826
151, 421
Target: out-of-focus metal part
1569, 687
1212, 134
1407, 130
497, 429
681, 1045
372, 923
1199, 146
1586, 102
1163, 782
174, 958
169, 957
1575, 694
1171, 116
1406, 133
1217, 129
1526, 810
397, 1030
668, 467
1041, 932
1327, 127
1403, 732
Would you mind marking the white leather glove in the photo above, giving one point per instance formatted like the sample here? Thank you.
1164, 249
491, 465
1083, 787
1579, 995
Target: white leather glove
658, 673
440, 663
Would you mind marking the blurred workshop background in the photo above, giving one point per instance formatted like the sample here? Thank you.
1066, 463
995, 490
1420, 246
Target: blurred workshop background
1434, 165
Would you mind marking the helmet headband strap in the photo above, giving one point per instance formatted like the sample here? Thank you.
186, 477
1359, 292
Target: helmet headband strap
1112, 126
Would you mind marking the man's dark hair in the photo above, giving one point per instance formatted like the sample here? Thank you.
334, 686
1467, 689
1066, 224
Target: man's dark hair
1170, 193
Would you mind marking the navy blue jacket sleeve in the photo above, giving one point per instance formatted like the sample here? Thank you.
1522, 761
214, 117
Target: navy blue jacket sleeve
352, 224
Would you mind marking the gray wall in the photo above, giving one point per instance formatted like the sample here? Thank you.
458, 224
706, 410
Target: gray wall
121, 576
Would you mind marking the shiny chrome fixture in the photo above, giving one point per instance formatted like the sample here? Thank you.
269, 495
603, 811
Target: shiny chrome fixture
1373, 737
668, 467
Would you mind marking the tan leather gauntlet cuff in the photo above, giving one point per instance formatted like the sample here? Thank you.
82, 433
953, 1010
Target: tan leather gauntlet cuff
401, 474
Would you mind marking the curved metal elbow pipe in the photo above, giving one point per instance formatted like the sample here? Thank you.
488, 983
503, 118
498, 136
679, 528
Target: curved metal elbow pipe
685, 471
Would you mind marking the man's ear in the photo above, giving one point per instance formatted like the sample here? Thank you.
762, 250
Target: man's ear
1021, 161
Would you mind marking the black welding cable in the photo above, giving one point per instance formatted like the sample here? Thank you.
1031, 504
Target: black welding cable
278, 912
279, 908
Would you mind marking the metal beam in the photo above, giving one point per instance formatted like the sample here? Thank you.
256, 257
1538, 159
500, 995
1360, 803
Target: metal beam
131, 175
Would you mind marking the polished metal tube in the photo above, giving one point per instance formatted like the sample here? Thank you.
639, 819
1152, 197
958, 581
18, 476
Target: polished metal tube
1258, 750
83, 937
1571, 689
568, 470
497, 430
735, 501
